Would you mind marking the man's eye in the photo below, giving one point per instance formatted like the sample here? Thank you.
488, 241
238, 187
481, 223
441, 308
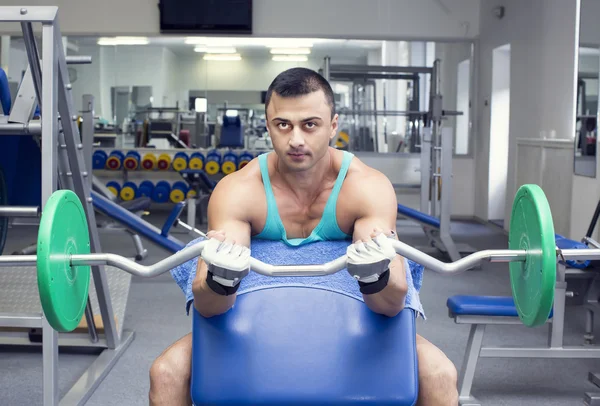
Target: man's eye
283, 126
310, 125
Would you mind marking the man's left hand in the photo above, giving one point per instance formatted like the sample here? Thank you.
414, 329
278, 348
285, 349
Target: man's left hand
368, 260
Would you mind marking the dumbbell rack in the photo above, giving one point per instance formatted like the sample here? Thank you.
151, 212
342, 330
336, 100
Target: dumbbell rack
64, 165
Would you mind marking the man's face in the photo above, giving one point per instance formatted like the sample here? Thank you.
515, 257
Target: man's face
301, 128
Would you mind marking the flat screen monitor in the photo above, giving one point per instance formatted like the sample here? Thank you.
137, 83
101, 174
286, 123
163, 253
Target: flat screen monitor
206, 16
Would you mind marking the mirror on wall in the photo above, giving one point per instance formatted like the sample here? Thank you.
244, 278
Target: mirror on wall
380, 113
586, 122
586, 126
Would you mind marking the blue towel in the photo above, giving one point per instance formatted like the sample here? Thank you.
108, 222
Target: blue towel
278, 253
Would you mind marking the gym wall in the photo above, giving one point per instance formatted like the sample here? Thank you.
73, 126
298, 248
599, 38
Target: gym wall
541, 34
381, 19
586, 191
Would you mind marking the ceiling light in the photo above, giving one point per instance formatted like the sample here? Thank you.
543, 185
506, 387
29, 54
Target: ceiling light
216, 50
290, 58
222, 57
123, 41
290, 51
252, 41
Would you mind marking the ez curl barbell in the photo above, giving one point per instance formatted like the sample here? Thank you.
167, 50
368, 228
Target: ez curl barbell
63, 259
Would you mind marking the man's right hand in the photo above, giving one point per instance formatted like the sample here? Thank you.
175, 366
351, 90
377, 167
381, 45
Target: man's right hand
228, 263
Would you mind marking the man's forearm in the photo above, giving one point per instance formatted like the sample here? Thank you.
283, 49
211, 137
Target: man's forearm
206, 301
390, 301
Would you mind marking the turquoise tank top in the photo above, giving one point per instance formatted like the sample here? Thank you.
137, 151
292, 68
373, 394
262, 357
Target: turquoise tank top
326, 230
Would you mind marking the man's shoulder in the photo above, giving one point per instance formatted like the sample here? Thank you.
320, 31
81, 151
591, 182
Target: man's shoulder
241, 182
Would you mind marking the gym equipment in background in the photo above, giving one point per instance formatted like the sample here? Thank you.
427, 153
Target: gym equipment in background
164, 162
132, 161
180, 161
99, 159
115, 160
57, 144
179, 192
145, 189
197, 161
213, 162
149, 162
128, 191
229, 164
435, 142
114, 187
244, 159
161, 192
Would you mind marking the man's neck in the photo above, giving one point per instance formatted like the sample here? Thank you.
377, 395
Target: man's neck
307, 184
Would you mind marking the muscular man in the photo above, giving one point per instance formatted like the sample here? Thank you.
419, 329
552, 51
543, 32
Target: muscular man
303, 192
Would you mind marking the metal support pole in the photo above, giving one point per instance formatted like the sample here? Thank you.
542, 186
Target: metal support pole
49, 111
33, 56
446, 142
78, 169
558, 317
426, 177
469, 365
87, 134
327, 68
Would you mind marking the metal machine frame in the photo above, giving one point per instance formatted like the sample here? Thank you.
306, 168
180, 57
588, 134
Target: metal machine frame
436, 145
64, 164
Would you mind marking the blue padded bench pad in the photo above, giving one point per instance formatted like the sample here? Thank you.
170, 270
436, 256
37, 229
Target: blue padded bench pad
483, 306
135, 223
419, 216
566, 244
299, 345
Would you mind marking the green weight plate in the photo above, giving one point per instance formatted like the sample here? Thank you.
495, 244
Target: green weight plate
532, 281
63, 232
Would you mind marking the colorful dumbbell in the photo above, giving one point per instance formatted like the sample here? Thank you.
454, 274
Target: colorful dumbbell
161, 192
145, 189
149, 162
178, 192
164, 162
99, 159
191, 193
114, 187
132, 161
245, 158
229, 164
128, 191
196, 161
115, 160
180, 161
213, 162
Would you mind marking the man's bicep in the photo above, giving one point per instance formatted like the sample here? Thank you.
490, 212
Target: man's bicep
378, 209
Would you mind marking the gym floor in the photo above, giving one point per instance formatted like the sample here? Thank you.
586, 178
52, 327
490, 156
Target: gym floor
156, 312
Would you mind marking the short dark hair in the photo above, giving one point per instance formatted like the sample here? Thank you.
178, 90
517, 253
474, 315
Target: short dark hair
296, 82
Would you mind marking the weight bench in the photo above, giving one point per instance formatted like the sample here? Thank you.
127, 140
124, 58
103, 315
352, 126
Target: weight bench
303, 345
419, 217
438, 236
135, 223
479, 311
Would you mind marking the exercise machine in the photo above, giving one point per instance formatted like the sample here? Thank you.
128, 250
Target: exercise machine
435, 144
46, 84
